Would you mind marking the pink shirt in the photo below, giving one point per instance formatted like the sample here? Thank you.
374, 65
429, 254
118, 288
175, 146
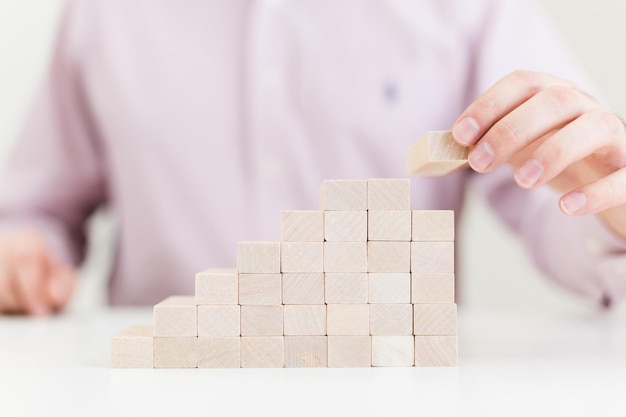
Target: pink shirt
198, 122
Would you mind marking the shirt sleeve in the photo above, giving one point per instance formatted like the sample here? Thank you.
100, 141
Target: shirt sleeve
53, 179
580, 253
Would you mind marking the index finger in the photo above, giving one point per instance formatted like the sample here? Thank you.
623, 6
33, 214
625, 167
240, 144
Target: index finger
503, 97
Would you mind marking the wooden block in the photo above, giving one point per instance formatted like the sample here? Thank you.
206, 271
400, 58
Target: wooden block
262, 320
345, 226
175, 352
302, 257
432, 225
302, 226
434, 319
217, 286
347, 319
132, 347
435, 154
432, 288
394, 225
345, 288
176, 316
304, 320
262, 352
260, 289
306, 288
391, 319
306, 352
219, 352
345, 256
388, 256
258, 257
218, 321
436, 351
393, 351
349, 351
389, 288
432, 257
388, 194
343, 195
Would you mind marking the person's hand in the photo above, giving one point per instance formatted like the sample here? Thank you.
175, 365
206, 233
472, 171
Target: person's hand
32, 281
552, 133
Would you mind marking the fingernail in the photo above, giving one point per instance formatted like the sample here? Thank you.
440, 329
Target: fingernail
481, 157
529, 174
465, 131
573, 203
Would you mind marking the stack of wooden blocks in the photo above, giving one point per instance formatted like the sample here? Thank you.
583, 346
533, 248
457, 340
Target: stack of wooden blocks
363, 281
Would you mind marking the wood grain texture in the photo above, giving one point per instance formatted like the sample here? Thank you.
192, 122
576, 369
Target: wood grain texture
349, 351
345, 256
262, 352
347, 319
389, 288
435, 154
302, 226
388, 194
391, 319
343, 195
260, 289
304, 320
434, 319
429, 257
306, 352
219, 321
393, 351
432, 288
133, 347
258, 257
345, 226
388, 256
390, 225
432, 225
219, 352
176, 316
304, 288
346, 288
217, 286
436, 351
262, 320
302, 257
175, 352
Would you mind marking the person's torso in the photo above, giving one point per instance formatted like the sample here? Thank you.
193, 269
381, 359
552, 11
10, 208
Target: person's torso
215, 116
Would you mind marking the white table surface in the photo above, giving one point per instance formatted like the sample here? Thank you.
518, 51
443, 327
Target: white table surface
510, 364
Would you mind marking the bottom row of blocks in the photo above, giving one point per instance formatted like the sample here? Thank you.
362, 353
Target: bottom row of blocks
278, 351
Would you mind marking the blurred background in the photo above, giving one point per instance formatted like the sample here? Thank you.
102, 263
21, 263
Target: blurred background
496, 275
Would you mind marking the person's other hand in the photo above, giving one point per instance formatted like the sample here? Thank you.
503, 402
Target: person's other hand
32, 281
552, 133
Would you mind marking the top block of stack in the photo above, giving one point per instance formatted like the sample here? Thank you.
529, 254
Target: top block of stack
372, 194
435, 154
